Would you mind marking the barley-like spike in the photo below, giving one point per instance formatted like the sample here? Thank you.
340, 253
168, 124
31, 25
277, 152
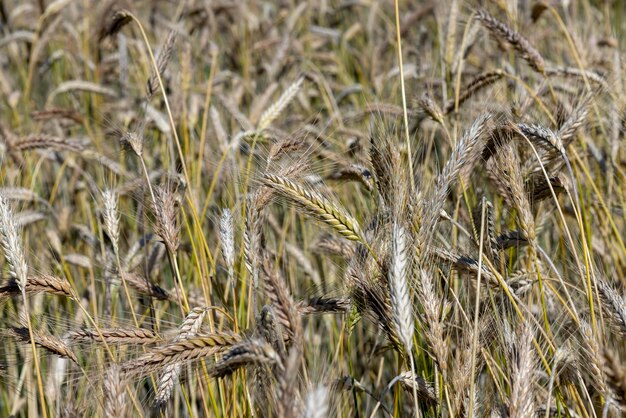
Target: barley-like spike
269, 329
491, 245
425, 391
511, 239
335, 246
141, 285
277, 291
114, 24
253, 236
542, 136
433, 307
23, 194
575, 120
591, 356
461, 161
354, 172
133, 141
461, 262
41, 141
578, 73
508, 172
29, 217
387, 163
431, 108
288, 391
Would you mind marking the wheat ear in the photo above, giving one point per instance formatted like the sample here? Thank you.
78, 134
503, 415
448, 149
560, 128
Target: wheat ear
276, 109
169, 377
518, 42
399, 287
195, 348
316, 403
318, 206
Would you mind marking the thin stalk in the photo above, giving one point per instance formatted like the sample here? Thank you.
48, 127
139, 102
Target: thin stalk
205, 116
165, 100
404, 111
477, 308
42, 396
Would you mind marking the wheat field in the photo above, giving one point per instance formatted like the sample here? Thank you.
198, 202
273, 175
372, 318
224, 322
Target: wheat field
319, 208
